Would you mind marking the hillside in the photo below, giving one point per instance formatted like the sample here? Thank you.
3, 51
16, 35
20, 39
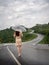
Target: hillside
42, 29
6, 36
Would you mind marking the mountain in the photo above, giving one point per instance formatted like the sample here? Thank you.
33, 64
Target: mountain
6, 35
42, 29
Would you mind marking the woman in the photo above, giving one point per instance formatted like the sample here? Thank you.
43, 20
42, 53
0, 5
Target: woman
18, 35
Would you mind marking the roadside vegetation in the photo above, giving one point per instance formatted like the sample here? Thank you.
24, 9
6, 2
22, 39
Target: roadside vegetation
42, 29
6, 36
27, 36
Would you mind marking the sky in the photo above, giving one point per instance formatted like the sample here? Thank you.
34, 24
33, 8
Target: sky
23, 12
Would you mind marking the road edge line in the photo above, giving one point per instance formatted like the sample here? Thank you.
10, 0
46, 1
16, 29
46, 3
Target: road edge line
13, 56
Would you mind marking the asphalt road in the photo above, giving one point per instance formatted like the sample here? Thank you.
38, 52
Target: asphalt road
5, 57
30, 55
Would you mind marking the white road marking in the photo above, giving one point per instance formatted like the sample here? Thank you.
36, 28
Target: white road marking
13, 56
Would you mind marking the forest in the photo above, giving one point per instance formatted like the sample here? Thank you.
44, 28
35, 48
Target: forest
6, 36
42, 29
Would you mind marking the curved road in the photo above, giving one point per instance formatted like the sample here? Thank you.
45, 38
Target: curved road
36, 40
30, 55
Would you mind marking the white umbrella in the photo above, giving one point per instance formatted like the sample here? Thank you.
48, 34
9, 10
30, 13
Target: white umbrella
19, 28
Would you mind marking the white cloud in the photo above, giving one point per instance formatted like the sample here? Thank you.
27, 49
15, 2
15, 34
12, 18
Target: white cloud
10, 17
28, 13
1, 9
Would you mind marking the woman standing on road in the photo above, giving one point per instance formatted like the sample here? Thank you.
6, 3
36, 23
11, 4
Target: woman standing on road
18, 35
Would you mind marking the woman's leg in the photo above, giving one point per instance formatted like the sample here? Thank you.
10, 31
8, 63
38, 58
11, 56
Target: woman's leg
19, 48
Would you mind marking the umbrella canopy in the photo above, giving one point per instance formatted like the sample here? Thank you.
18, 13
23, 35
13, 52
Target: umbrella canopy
19, 28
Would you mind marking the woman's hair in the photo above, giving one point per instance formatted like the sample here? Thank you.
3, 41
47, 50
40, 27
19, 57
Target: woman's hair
17, 33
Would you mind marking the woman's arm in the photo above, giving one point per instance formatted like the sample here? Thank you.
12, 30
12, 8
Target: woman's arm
21, 34
14, 35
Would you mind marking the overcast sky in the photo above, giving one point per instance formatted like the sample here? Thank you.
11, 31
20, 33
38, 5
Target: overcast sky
23, 12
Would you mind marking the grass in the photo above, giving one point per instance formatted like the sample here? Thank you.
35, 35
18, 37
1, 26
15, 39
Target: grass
28, 37
45, 40
8, 38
